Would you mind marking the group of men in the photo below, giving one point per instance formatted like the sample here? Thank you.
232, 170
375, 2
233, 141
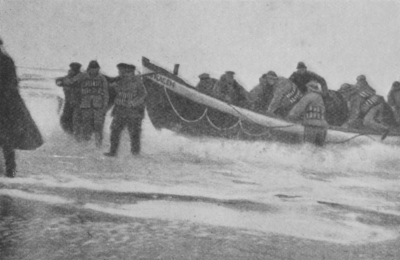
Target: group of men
88, 97
305, 97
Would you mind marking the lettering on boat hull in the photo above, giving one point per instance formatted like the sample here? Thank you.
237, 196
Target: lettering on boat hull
163, 80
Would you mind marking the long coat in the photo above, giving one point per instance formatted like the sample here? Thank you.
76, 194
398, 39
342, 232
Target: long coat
17, 128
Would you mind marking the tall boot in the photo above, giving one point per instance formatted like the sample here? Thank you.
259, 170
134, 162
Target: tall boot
135, 134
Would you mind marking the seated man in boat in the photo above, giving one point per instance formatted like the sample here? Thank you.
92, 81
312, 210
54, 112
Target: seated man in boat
394, 100
357, 96
261, 95
206, 84
229, 90
336, 109
366, 108
310, 110
302, 76
285, 95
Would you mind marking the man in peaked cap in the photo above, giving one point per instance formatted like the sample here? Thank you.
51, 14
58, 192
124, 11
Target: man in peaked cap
128, 109
206, 84
302, 76
70, 119
229, 90
94, 101
18, 131
75, 67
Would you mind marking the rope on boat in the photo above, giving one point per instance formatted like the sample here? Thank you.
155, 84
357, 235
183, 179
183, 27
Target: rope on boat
252, 121
177, 113
239, 122
267, 132
221, 129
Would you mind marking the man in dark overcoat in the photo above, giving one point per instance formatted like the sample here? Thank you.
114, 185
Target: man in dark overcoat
17, 128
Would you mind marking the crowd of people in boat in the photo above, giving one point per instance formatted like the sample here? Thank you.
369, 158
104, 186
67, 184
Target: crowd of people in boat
305, 97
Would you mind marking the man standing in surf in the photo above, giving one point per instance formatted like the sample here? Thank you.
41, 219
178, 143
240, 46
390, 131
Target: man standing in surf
17, 128
128, 108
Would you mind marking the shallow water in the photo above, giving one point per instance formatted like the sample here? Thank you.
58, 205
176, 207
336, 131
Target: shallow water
342, 194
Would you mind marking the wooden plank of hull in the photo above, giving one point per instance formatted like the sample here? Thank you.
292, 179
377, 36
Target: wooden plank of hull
177, 85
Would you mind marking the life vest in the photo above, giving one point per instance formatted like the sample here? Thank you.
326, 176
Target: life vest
366, 94
127, 91
294, 95
315, 112
125, 99
92, 93
370, 103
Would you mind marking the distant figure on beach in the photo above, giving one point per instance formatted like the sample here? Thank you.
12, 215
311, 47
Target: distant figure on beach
71, 117
128, 108
17, 128
303, 76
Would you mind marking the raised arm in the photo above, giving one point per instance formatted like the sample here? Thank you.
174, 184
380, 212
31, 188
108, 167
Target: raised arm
321, 81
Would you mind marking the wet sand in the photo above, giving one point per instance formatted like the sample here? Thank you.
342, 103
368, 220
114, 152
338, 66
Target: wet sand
36, 230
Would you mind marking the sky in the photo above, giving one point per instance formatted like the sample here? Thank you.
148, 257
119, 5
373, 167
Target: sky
338, 40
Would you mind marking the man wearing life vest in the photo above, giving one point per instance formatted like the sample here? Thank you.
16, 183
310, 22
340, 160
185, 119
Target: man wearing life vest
206, 84
94, 101
311, 111
361, 98
70, 117
128, 108
229, 90
285, 95
394, 100
366, 108
303, 76
261, 95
